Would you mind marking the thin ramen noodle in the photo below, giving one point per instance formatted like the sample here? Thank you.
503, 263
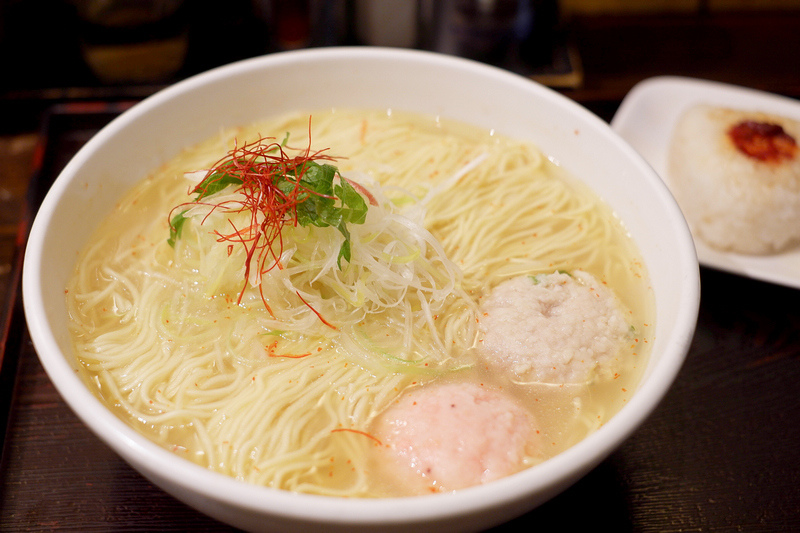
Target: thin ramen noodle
274, 365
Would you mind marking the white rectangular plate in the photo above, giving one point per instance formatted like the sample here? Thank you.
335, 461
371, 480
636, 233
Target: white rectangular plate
646, 119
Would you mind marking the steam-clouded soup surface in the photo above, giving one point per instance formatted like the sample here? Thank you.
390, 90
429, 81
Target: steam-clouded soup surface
330, 314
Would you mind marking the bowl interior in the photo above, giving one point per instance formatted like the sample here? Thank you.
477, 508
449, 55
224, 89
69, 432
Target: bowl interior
156, 129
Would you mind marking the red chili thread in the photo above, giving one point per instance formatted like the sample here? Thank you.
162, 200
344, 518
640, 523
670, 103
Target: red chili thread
259, 165
358, 431
271, 353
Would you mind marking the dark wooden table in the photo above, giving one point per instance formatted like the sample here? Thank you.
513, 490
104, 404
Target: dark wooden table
719, 454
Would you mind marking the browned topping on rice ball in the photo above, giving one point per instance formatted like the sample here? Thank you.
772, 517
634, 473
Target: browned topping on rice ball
763, 141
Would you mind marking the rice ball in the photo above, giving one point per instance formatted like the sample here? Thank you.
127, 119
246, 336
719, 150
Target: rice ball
451, 436
552, 328
736, 176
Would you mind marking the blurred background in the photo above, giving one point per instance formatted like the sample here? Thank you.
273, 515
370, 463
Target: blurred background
592, 50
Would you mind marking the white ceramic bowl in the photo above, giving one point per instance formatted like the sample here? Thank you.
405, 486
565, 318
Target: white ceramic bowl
157, 128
